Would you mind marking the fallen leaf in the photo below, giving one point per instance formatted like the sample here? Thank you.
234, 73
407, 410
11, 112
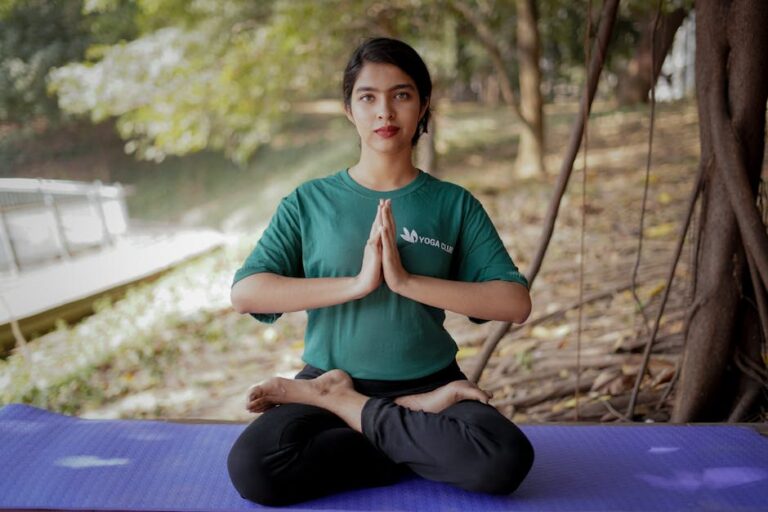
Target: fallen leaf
661, 230
466, 351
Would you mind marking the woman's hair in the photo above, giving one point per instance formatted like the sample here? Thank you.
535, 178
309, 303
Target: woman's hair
391, 51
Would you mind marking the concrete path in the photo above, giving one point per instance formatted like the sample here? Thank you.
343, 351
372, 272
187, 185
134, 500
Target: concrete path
33, 293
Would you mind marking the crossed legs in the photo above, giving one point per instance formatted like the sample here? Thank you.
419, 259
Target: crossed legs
320, 436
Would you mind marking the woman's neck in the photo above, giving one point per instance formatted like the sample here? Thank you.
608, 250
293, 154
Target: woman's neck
384, 172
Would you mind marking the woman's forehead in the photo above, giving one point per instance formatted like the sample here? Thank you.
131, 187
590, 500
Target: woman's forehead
382, 77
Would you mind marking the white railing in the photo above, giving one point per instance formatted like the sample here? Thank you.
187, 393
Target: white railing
44, 220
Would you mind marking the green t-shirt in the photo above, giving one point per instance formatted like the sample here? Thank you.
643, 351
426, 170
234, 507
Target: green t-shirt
320, 230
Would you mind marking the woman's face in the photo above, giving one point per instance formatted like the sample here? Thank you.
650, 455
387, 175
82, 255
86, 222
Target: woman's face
384, 95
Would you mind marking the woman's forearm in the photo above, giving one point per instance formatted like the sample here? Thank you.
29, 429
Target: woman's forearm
272, 293
490, 300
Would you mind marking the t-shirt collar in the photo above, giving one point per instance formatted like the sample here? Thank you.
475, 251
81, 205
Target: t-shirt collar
357, 187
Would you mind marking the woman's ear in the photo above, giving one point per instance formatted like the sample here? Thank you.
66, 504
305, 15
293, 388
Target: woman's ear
348, 113
424, 108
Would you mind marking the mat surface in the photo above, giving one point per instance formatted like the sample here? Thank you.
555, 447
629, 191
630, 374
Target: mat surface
53, 461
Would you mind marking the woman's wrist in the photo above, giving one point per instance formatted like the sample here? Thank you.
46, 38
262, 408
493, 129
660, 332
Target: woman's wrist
358, 288
401, 286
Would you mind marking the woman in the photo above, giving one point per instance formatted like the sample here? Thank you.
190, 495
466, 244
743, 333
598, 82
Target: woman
376, 253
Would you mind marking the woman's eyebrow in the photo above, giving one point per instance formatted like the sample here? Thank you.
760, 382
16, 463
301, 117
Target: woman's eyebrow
398, 86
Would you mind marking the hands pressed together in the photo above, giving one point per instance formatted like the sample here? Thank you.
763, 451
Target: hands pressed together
381, 259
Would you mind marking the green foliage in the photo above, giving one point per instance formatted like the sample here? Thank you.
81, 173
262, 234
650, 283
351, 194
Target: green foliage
181, 77
39, 35
226, 84
34, 37
223, 75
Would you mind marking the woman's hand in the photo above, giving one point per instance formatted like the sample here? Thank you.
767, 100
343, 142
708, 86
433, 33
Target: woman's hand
394, 273
371, 276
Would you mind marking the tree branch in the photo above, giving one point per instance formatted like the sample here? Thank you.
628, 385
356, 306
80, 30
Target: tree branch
667, 289
488, 39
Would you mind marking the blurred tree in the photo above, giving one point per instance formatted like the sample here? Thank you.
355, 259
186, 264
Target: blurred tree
530, 155
634, 79
492, 28
37, 35
224, 74
34, 36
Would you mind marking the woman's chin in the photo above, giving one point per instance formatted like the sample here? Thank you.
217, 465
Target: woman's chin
389, 146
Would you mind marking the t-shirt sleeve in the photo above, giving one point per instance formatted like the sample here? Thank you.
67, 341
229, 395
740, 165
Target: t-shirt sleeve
480, 254
278, 251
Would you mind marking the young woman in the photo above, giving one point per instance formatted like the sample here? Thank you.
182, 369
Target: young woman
376, 253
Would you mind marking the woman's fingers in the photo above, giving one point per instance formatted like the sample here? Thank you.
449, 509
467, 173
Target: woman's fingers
376, 222
376, 227
385, 222
390, 221
386, 240
375, 239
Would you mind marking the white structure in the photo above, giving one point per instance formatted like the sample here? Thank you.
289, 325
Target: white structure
45, 220
677, 79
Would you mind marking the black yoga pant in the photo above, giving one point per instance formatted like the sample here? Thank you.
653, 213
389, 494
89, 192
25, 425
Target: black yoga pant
296, 452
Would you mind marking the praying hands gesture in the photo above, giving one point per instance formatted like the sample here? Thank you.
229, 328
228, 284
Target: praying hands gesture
381, 260
491, 300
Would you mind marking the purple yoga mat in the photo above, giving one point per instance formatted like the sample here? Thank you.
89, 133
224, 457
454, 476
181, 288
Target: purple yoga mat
53, 461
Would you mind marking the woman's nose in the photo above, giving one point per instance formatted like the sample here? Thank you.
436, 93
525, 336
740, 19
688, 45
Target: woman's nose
386, 113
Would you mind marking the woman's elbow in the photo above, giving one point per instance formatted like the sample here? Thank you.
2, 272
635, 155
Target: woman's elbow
240, 295
523, 306
238, 301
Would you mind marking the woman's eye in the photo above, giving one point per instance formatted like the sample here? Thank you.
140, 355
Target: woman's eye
365, 98
404, 95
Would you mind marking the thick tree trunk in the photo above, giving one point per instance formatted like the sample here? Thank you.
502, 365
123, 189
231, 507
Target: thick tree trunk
634, 82
530, 153
724, 332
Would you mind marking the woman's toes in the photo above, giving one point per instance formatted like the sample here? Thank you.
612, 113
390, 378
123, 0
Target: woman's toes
252, 397
252, 405
256, 391
468, 391
260, 405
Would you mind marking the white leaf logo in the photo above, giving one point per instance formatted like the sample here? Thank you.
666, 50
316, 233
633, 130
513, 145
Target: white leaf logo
409, 237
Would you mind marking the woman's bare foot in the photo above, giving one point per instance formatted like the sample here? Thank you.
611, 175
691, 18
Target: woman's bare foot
444, 396
279, 390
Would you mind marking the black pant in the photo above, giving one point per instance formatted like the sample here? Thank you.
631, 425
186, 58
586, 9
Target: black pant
296, 452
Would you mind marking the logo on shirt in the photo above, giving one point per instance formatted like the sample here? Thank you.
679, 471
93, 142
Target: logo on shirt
413, 237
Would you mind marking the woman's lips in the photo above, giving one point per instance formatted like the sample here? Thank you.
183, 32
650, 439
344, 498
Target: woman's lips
388, 132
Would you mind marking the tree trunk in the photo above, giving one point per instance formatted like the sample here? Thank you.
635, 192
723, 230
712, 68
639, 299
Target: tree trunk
530, 153
461, 87
724, 332
528, 39
634, 82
